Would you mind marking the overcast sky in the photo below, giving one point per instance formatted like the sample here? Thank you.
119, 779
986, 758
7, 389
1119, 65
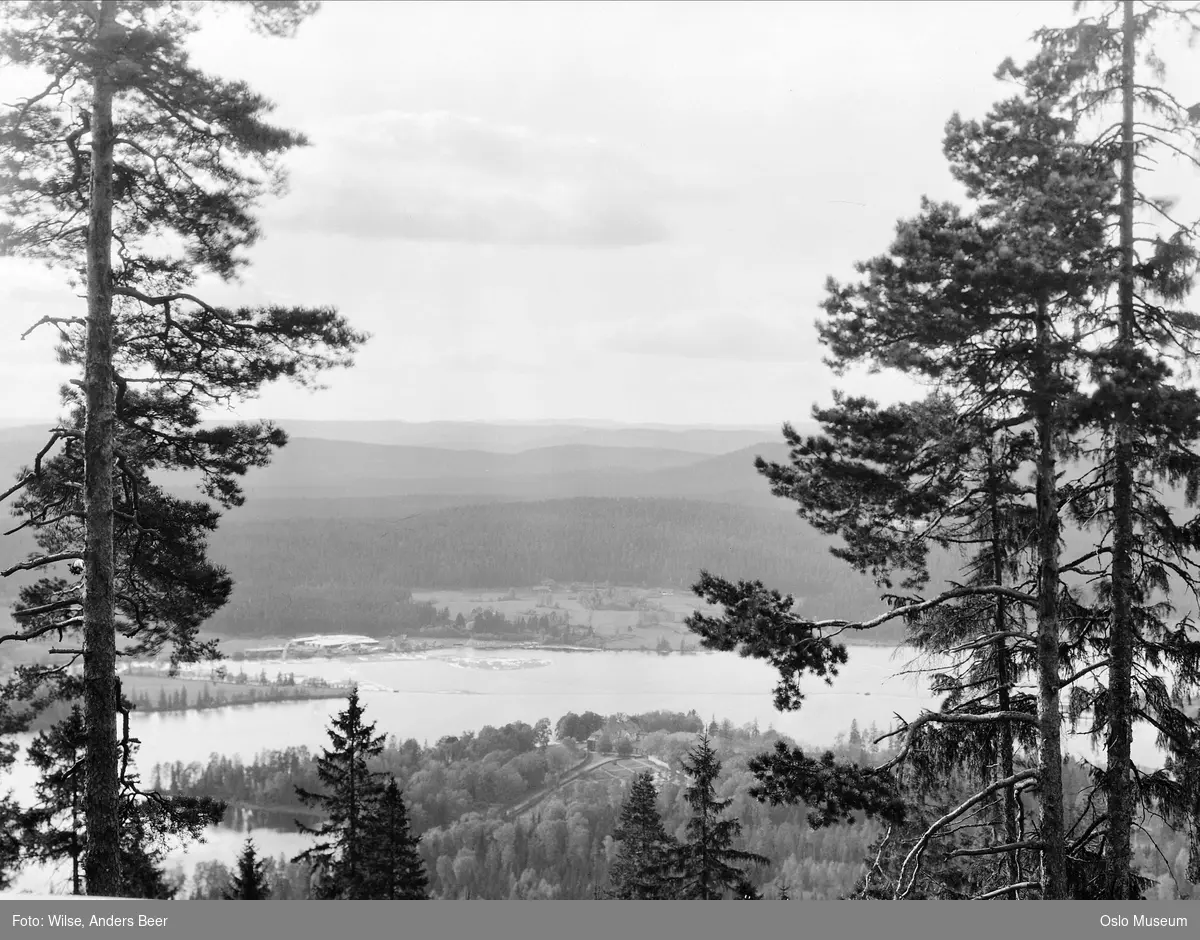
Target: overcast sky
619, 211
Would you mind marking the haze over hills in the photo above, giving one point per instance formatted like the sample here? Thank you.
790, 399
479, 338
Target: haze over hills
314, 469
337, 530
516, 437
339, 527
495, 437
327, 468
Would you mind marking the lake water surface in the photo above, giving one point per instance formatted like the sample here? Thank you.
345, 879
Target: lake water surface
451, 691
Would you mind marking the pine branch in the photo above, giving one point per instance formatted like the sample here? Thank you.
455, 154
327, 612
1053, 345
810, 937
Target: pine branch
946, 718
909, 610
1020, 885
998, 849
58, 321
37, 632
1099, 664
165, 300
41, 561
23, 482
914, 856
989, 638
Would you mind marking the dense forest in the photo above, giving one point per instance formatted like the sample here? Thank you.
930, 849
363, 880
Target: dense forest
461, 789
298, 575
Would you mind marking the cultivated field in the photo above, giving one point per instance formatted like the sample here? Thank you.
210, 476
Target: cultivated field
654, 615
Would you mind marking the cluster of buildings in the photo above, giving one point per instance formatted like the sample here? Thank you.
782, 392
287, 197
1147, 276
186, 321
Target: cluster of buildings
329, 644
617, 730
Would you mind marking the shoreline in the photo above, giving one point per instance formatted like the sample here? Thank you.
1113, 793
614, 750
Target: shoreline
438, 644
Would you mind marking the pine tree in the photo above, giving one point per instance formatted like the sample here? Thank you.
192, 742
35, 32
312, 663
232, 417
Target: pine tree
703, 867
249, 881
124, 150
636, 874
342, 857
397, 871
976, 304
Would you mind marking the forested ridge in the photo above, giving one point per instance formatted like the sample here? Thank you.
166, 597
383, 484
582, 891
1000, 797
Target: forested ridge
304, 574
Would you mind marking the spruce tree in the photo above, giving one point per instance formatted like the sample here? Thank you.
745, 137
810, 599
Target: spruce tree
142, 850
397, 871
55, 825
55, 828
249, 881
745, 890
1144, 408
705, 866
342, 856
11, 723
125, 150
876, 477
636, 873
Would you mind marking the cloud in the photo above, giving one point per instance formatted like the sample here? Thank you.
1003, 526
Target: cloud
444, 177
727, 336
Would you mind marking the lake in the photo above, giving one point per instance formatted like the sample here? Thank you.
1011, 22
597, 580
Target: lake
426, 696
429, 695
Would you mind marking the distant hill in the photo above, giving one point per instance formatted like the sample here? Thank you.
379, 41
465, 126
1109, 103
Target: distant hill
321, 469
505, 437
728, 477
312, 467
335, 532
296, 574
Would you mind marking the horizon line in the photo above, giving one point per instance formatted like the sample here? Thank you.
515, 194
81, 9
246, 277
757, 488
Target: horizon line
595, 423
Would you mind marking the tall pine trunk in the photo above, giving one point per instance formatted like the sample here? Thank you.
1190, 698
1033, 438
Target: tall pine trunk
102, 795
1120, 704
1003, 671
76, 848
1053, 836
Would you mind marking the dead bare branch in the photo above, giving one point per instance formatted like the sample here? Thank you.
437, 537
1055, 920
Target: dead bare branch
914, 856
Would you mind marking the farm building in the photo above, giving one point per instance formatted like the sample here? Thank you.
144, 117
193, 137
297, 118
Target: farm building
334, 644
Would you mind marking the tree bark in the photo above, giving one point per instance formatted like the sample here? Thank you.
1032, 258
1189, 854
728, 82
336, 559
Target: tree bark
1003, 677
1053, 835
1120, 731
101, 686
